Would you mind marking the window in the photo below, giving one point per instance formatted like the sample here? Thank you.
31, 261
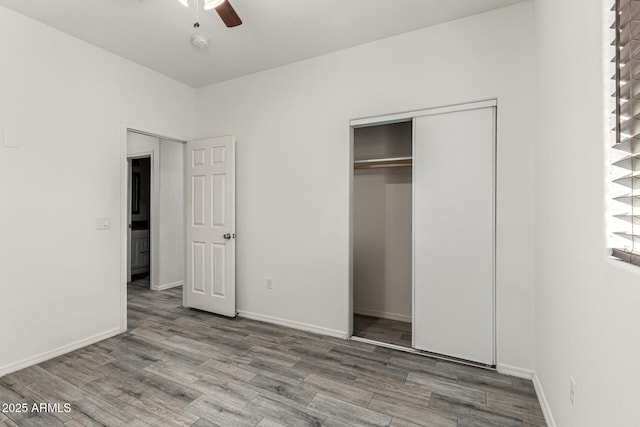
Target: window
625, 156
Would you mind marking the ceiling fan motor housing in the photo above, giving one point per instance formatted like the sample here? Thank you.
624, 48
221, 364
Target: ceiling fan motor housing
200, 41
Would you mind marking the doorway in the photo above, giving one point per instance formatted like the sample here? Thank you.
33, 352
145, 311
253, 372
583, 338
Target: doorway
139, 200
382, 238
161, 265
204, 265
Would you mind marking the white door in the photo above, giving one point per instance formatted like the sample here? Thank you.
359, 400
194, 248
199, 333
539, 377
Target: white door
210, 225
453, 168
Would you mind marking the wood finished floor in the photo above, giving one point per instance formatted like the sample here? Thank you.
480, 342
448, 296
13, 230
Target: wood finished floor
179, 367
383, 330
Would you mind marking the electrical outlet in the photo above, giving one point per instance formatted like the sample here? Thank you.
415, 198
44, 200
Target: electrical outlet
572, 391
269, 283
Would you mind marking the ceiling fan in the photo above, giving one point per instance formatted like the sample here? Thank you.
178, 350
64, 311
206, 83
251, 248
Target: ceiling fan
226, 12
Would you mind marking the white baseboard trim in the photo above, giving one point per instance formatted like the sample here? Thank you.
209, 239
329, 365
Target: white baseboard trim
514, 371
38, 358
383, 314
546, 409
293, 324
531, 375
167, 286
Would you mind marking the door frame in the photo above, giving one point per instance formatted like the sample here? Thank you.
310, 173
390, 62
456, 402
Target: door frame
125, 128
403, 117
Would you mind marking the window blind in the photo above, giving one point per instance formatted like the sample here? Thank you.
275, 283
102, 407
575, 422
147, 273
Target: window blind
625, 156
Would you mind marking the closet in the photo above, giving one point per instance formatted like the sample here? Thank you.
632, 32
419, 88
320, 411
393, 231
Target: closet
382, 204
423, 231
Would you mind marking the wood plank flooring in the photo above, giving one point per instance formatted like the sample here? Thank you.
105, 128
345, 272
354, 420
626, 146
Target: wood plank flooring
179, 367
383, 330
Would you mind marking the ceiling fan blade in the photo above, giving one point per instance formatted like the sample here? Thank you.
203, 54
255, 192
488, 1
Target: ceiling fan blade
228, 14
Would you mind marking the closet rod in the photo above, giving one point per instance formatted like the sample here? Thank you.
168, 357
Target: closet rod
387, 159
384, 165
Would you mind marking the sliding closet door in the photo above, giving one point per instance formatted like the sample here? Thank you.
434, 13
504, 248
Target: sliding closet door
453, 168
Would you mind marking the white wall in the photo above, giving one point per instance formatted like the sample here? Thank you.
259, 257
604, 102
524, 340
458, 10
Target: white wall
67, 101
587, 305
171, 238
382, 243
141, 145
292, 128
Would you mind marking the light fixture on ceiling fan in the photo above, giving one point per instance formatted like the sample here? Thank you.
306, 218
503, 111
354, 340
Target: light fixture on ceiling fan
226, 12
211, 4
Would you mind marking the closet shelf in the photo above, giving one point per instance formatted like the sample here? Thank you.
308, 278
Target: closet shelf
389, 162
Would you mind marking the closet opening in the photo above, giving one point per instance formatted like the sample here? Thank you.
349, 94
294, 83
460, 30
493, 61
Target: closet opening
422, 241
382, 233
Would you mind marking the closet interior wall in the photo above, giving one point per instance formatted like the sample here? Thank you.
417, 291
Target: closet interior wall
382, 235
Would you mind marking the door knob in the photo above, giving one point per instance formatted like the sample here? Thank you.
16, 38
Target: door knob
227, 236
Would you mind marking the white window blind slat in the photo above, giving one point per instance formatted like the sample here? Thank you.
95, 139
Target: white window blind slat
630, 146
625, 154
630, 201
629, 109
628, 181
628, 163
629, 218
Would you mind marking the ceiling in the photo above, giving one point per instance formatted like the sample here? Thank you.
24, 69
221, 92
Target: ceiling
156, 33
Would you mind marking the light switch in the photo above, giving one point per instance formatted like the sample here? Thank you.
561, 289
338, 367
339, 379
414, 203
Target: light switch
9, 139
103, 223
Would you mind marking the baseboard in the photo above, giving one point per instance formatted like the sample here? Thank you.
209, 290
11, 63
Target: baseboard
383, 314
167, 286
531, 375
546, 409
514, 371
294, 325
39, 358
